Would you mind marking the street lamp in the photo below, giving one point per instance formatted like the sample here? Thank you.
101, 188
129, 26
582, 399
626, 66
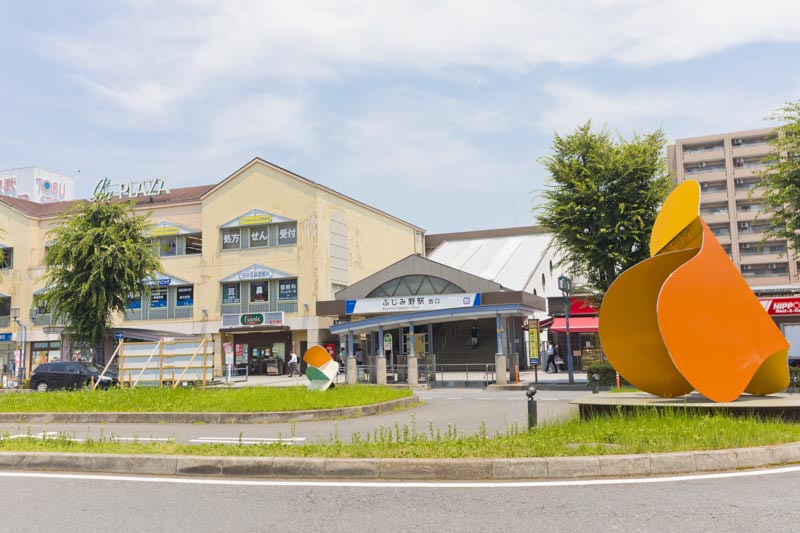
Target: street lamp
565, 286
21, 365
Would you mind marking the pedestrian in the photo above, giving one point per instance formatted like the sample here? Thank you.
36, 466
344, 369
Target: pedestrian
359, 357
551, 358
473, 340
293, 365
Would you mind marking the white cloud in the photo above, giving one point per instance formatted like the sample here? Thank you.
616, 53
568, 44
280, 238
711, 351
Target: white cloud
155, 54
681, 112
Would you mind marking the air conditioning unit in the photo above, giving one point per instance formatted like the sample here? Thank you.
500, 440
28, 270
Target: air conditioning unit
739, 160
772, 266
745, 245
701, 164
738, 181
744, 225
747, 267
737, 142
704, 185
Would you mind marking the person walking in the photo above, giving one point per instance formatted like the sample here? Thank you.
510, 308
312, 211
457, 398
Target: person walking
551, 358
293, 364
473, 339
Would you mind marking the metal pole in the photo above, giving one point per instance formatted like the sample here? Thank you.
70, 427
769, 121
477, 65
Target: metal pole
21, 370
532, 414
569, 342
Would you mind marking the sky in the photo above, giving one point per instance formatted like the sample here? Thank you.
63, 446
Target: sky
436, 112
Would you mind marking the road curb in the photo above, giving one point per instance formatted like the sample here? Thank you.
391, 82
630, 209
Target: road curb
528, 469
209, 418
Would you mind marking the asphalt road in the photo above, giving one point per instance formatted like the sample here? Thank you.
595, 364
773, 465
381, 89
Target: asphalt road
463, 410
723, 503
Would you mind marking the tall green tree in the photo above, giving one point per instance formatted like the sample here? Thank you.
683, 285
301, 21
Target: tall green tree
780, 182
99, 255
602, 200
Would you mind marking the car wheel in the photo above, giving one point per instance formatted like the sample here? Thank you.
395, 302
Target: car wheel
42, 386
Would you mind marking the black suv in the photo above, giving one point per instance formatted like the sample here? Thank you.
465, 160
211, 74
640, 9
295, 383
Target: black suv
70, 375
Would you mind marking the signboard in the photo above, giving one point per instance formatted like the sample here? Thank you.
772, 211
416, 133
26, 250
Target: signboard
781, 306
131, 189
158, 298
255, 219
287, 234
577, 306
5, 337
331, 349
164, 230
337, 321
160, 282
133, 302
256, 273
230, 293
119, 335
287, 289
185, 296
533, 341
252, 319
228, 347
404, 304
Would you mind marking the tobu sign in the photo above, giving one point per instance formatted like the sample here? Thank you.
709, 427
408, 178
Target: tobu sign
781, 306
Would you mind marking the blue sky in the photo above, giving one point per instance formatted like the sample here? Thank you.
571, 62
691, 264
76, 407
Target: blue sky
434, 111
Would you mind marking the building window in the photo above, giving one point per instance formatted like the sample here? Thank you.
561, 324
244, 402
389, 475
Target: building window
231, 239
259, 236
287, 234
173, 245
164, 303
287, 290
168, 246
230, 293
7, 259
258, 292
194, 244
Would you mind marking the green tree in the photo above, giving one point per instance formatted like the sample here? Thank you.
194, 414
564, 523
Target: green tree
602, 200
100, 254
780, 182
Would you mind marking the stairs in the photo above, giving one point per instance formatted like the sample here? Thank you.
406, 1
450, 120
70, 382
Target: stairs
451, 342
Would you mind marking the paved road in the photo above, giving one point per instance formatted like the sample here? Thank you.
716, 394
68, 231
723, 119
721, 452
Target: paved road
466, 410
728, 502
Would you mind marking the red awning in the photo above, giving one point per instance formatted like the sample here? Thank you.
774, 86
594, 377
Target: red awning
578, 324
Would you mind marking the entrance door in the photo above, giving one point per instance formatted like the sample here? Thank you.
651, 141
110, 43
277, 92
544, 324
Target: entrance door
258, 358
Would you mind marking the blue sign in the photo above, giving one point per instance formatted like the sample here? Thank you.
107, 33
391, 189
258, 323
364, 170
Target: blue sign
119, 334
5, 337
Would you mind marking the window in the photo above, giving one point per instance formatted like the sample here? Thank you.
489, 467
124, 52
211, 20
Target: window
287, 290
287, 233
194, 244
168, 246
258, 291
7, 259
185, 296
158, 297
259, 236
231, 239
133, 301
230, 293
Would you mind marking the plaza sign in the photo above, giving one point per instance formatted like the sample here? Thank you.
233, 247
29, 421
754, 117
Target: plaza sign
131, 189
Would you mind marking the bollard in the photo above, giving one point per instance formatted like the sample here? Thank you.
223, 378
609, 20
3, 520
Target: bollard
595, 383
530, 393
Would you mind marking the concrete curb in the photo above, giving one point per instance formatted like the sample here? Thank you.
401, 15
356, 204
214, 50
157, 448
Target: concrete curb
208, 418
532, 469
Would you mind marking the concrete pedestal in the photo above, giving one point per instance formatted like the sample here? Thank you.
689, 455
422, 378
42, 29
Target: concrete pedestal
381, 370
500, 370
413, 371
351, 372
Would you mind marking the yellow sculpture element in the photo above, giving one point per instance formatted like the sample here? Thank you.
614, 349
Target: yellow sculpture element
685, 319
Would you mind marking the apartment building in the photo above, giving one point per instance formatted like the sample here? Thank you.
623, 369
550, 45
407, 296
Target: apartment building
726, 167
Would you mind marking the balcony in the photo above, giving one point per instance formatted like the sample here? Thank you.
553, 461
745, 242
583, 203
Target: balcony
751, 257
753, 150
695, 155
716, 218
709, 196
749, 193
701, 175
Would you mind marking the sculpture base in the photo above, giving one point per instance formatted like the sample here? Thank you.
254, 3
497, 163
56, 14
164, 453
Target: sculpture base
782, 406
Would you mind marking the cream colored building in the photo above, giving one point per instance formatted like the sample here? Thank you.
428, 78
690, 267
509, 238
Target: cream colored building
726, 166
244, 261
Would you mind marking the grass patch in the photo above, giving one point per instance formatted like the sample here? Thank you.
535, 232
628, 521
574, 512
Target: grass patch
644, 432
182, 400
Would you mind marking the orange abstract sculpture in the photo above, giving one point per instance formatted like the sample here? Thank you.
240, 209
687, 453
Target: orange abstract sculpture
685, 319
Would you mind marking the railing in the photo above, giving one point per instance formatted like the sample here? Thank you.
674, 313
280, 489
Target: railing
471, 372
238, 372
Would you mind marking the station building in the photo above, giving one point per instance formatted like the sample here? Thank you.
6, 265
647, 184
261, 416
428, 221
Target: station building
244, 261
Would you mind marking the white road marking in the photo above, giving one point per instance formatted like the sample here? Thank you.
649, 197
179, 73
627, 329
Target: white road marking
141, 439
246, 440
405, 485
42, 435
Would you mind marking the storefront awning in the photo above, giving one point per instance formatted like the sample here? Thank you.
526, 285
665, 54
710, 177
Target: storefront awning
578, 324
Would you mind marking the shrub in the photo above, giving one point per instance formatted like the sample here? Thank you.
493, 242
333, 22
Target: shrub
794, 377
608, 376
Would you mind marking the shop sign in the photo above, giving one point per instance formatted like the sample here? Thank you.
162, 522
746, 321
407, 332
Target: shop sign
158, 298
185, 296
164, 230
131, 189
577, 306
253, 319
256, 273
228, 347
287, 234
412, 303
160, 282
5, 337
781, 306
533, 339
255, 219
287, 290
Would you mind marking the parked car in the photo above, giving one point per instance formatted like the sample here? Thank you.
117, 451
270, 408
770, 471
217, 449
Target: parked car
70, 375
